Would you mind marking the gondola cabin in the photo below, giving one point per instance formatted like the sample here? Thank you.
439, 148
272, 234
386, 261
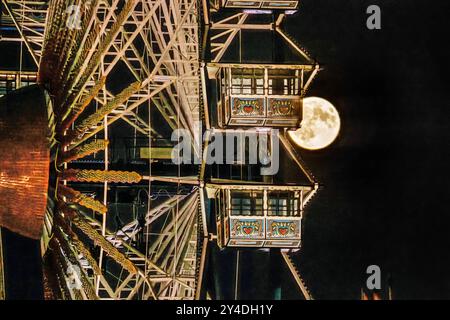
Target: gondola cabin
258, 215
260, 4
254, 95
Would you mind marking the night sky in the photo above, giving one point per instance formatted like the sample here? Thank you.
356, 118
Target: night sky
384, 188
385, 191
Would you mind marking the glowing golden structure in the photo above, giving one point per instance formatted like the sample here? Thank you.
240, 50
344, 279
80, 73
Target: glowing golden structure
101, 176
70, 195
2, 274
161, 46
38, 133
83, 151
78, 109
96, 117
84, 227
25, 134
65, 256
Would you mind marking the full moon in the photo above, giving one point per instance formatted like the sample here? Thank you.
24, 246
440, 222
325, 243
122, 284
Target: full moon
320, 125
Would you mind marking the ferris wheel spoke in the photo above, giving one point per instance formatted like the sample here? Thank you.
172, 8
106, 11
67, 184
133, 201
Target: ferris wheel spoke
168, 232
72, 196
59, 244
79, 175
83, 151
173, 246
89, 66
130, 230
99, 115
134, 101
78, 244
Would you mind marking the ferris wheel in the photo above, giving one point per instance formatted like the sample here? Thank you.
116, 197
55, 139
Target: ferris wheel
147, 69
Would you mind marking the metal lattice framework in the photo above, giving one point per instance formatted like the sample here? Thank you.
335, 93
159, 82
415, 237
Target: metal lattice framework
159, 43
29, 17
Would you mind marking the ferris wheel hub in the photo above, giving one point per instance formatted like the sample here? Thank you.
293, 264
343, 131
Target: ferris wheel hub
25, 136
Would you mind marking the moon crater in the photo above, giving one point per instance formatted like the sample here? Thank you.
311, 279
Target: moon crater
320, 125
